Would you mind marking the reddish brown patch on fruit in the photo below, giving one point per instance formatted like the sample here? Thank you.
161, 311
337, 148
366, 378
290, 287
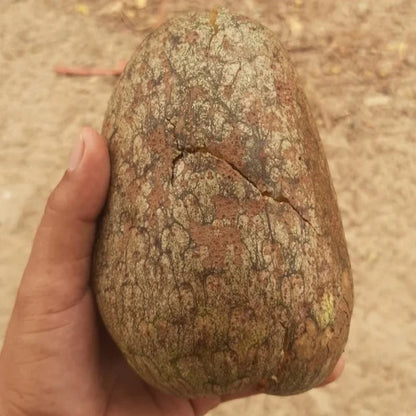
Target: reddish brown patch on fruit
219, 241
226, 208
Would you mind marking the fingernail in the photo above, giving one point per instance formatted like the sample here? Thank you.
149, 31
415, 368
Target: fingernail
76, 154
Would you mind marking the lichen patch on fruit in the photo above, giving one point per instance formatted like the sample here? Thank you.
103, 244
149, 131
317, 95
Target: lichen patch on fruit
324, 311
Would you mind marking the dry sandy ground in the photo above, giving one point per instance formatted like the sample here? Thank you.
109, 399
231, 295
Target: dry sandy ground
357, 60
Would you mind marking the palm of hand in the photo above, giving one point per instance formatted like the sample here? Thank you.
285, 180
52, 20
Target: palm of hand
84, 370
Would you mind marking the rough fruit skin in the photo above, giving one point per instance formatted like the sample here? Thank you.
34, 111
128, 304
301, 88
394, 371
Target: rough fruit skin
220, 263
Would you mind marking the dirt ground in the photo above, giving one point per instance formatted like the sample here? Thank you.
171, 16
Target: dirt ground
357, 60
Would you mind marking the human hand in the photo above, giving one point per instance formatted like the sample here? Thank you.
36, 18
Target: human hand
57, 359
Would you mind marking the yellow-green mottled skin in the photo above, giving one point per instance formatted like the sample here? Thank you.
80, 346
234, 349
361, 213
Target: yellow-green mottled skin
220, 263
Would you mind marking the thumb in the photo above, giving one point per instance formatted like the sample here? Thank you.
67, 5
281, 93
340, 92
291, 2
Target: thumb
57, 273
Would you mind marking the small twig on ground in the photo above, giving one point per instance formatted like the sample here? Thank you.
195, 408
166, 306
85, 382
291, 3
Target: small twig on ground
305, 48
128, 22
78, 71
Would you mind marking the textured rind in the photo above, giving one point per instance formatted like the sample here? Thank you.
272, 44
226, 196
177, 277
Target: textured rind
220, 263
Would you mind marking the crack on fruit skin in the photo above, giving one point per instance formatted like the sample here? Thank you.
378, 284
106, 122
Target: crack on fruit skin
282, 198
266, 194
